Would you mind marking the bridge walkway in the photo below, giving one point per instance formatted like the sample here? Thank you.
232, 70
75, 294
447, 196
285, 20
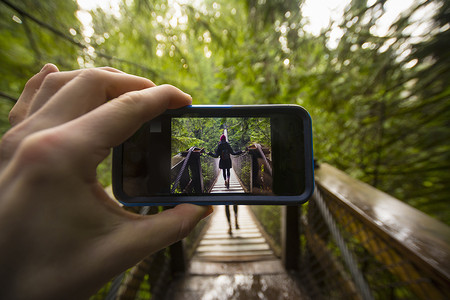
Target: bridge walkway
235, 186
236, 266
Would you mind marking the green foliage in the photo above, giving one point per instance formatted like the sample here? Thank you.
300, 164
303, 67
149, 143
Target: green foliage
209, 174
26, 46
104, 171
206, 132
379, 102
387, 110
270, 218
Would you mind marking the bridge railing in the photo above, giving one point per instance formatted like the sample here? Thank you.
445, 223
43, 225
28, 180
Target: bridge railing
352, 241
242, 165
193, 172
254, 169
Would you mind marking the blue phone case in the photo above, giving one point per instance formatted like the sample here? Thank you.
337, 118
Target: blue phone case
302, 143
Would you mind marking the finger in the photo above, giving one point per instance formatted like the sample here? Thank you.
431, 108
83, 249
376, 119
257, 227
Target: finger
87, 90
21, 108
94, 77
94, 134
146, 235
110, 69
115, 121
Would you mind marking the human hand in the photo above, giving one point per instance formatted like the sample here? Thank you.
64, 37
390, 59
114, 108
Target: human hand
61, 236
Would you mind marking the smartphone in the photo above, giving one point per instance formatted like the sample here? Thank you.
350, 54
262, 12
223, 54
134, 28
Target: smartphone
215, 155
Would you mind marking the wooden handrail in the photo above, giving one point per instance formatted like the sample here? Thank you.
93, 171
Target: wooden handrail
422, 239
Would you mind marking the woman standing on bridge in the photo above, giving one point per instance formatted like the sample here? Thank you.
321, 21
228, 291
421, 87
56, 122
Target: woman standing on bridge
225, 151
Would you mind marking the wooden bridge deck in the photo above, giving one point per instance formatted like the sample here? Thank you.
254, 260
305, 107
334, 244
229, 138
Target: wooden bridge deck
235, 186
237, 266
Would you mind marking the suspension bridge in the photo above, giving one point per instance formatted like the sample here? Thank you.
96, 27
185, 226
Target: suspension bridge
251, 171
350, 241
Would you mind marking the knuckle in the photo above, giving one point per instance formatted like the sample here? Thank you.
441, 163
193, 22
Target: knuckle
128, 102
130, 97
39, 158
38, 148
171, 92
10, 141
169, 89
53, 81
110, 69
32, 83
92, 75
16, 115
93, 78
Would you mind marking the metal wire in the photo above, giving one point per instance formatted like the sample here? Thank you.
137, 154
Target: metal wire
177, 180
350, 261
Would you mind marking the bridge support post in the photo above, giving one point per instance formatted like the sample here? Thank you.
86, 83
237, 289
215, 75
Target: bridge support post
290, 237
177, 255
196, 172
178, 258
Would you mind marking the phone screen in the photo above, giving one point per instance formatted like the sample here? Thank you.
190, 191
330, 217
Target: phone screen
210, 153
229, 155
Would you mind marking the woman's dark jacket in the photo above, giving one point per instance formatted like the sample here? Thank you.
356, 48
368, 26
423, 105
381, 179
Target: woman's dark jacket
223, 151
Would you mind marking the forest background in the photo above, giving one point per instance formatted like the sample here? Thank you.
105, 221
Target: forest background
206, 133
379, 100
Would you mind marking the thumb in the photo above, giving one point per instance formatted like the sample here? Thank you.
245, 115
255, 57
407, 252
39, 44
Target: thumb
147, 234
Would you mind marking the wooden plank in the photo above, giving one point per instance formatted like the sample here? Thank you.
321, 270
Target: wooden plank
236, 286
233, 241
234, 253
242, 257
235, 186
241, 230
269, 266
233, 247
236, 234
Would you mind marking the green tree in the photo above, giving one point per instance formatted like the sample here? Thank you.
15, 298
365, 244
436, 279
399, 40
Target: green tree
33, 33
381, 106
379, 101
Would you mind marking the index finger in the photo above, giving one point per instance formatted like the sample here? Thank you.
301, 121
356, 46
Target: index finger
112, 123
22, 106
81, 92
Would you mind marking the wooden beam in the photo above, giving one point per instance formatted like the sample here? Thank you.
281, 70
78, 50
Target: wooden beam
290, 237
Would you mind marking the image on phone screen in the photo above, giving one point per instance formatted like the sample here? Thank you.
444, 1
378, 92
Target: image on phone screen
221, 155
235, 154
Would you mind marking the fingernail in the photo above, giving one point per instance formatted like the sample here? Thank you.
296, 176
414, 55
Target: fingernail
46, 66
209, 211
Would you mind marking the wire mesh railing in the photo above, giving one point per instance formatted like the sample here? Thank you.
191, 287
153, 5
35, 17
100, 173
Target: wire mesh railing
242, 165
193, 171
210, 171
254, 169
348, 253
